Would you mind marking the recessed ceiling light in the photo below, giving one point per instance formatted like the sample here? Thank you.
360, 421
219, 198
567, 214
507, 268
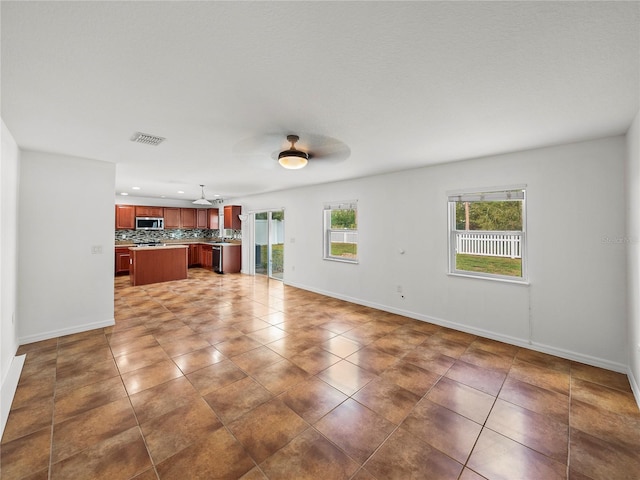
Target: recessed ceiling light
217, 195
180, 191
124, 193
135, 188
162, 196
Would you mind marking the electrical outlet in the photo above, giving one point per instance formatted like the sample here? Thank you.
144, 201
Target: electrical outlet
96, 249
399, 288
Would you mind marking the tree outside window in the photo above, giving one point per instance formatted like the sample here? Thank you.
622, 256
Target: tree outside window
341, 232
487, 234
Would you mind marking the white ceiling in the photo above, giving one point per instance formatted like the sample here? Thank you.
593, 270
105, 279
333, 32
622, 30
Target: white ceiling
398, 84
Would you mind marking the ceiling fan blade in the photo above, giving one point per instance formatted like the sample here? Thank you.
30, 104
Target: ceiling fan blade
262, 162
261, 151
259, 144
335, 152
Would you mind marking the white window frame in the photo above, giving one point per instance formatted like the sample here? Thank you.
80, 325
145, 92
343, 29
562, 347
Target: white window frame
327, 231
486, 194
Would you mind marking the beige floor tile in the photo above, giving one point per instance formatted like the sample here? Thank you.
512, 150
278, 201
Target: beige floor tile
242, 377
267, 428
176, 430
313, 399
355, 428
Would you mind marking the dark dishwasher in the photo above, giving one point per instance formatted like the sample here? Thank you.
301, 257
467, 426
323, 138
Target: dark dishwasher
216, 251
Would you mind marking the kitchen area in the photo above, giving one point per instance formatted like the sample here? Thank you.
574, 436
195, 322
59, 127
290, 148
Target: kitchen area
158, 244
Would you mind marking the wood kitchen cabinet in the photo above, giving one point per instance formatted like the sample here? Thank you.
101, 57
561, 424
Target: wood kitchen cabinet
231, 219
122, 260
202, 220
231, 258
174, 217
158, 264
206, 256
125, 217
194, 254
179, 218
214, 219
171, 217
143, 211
188, 218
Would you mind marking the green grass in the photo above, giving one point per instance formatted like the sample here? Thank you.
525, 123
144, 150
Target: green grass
347, 250
276, 258
496, 265
344, 250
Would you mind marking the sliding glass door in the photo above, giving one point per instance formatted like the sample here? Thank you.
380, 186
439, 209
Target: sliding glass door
269, 243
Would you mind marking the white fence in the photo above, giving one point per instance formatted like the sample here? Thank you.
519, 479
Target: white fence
344, 236
490, 244
262, 231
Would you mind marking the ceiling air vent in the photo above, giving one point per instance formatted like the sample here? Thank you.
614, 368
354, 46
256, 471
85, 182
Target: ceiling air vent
146, 139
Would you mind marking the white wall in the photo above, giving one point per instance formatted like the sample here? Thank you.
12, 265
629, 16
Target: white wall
9, 176
632, 176
66, 208
575, 303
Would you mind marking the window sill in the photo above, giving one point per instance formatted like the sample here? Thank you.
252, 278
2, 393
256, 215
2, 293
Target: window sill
517, 281
341, 260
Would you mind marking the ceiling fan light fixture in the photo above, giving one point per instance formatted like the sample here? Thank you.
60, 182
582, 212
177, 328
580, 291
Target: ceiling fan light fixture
293, 159
202, 200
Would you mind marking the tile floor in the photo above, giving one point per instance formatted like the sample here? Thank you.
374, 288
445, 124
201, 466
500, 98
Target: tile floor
230, 376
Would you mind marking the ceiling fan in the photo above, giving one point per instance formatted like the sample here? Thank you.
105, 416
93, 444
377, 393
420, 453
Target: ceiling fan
293, 159
297, 152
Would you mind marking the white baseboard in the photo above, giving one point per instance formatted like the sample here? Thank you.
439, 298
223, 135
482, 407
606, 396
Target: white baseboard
65, 331
520, 342
579, 357
635, 387
8, 389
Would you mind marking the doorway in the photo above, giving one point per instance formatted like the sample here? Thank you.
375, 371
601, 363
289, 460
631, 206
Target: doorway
269, 243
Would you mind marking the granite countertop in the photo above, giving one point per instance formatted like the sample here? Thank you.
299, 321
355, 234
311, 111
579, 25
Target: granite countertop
190, 241
159, 247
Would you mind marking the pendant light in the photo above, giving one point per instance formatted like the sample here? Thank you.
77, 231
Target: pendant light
202, 200
293, 158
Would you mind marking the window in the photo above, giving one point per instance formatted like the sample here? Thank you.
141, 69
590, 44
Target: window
487, 234
341, 231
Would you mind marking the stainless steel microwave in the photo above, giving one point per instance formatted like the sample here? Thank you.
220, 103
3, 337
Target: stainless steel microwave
149, 223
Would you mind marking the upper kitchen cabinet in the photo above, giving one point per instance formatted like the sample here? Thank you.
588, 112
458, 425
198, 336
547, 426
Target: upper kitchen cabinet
202, 220
171, 217
125, 217
149, 212
231, 218
174, 217
188, 218
214, 220
184, 218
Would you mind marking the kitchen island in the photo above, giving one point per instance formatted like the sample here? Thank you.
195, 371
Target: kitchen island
226, 257
158, 264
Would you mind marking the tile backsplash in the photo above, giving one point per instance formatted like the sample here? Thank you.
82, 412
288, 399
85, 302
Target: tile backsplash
174, 234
